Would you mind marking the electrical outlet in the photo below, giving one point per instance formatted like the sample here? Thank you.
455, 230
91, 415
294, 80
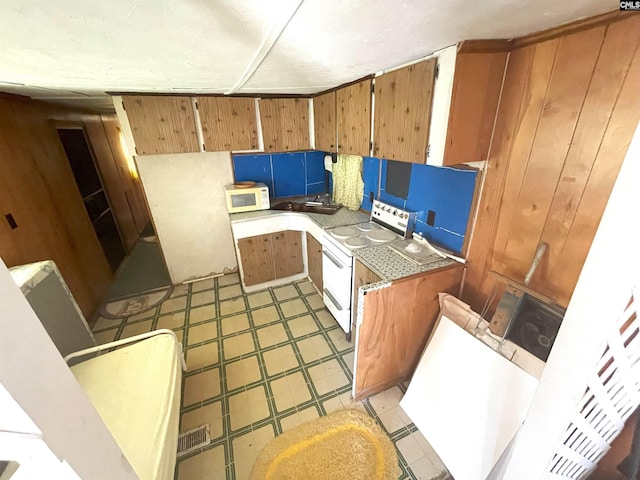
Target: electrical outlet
431, 218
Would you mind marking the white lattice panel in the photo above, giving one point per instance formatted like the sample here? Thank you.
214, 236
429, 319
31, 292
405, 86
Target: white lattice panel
611, 396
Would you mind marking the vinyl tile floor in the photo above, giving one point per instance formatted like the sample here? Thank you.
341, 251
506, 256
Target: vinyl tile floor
260, 364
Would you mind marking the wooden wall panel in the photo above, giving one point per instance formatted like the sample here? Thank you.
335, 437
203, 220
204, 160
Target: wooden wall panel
403, 112
129, 180
507, 124
354, 118
474, 100
110, 177
583, 168
324, 120
557, 148
40, 191
570, 78
228, 123
285, 124
162, 124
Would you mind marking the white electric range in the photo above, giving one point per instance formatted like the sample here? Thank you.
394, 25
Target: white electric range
387, 224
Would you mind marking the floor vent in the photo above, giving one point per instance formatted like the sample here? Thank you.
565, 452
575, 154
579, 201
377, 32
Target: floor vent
193, 440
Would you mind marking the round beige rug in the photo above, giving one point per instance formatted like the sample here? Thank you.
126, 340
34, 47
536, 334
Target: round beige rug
134, 305
347, 444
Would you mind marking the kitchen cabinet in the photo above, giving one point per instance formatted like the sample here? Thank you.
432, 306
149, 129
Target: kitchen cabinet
474, 101
287, 253
270, 256
403, 112
362, 275
394, 327
324, 121
314, 261
228, 123
285, 124
465, 101
354, 118
162, 124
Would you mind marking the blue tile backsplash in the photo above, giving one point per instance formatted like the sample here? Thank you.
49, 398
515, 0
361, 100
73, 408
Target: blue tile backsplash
445, 190
286, 174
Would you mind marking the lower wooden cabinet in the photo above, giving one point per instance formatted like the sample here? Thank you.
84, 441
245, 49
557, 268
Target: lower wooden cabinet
314, 261
270, 256
362, 275
396, 324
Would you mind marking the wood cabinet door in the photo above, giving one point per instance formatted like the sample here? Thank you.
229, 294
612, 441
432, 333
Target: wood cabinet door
285, 124
162, 124
396, 325
257, 259
403, 112
474, 101
354, 118
324, 121
314, 261
287, 253
228, 123
362, 275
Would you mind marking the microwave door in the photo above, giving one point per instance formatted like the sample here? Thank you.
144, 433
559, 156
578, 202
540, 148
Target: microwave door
239, 200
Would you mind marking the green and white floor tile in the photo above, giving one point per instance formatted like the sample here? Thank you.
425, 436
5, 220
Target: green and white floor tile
260, 364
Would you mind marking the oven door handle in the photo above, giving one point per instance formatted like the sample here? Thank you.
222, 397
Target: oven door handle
333, 300
333, 259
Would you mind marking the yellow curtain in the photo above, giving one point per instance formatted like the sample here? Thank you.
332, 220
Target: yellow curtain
348, 186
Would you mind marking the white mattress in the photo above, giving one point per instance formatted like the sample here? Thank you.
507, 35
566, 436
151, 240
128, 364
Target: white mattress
136, 391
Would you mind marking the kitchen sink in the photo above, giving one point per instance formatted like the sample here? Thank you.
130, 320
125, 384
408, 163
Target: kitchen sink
310, 206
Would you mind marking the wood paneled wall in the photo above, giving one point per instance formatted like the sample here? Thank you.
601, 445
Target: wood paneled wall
568, 110
39, 190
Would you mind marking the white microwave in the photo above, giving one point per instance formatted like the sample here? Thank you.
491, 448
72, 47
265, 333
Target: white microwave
243, 198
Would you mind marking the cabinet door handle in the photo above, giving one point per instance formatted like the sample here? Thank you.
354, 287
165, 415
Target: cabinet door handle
333, 259
333, 300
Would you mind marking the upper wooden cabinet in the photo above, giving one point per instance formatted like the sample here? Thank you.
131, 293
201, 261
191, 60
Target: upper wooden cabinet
465, 101
354, 118
403, 112
474, 101
228, 123
285, 124
324, 119
162, 124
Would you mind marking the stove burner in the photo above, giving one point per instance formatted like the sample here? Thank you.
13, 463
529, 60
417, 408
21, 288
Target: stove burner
381, 236
356, 242
367, 226
344, 232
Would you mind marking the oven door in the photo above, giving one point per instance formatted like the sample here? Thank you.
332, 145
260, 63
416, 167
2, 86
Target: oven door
336, 278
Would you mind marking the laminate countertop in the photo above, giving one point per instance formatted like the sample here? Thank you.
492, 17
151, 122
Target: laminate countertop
383, 261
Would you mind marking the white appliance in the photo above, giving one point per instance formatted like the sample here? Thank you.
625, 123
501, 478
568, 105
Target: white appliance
387, 224
246, 197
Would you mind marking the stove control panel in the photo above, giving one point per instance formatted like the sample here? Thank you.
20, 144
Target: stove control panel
396, 219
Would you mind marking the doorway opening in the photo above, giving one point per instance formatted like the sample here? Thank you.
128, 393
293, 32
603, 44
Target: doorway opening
94, 197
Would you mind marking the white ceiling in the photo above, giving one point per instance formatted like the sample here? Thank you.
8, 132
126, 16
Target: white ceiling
72, 51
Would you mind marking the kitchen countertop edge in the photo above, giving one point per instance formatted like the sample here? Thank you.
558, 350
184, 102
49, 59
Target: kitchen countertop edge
380, 259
